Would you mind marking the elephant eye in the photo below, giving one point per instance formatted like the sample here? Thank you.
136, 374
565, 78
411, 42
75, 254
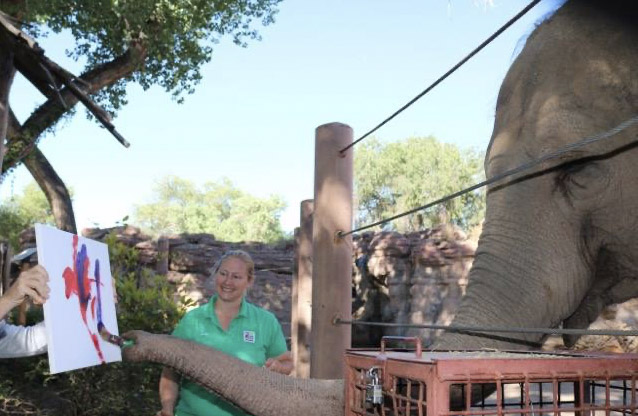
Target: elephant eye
573, 174
581, 179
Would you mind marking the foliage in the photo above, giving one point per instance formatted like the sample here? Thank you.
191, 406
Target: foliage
393, 178
22, 211
149, 42
124, 261
218, 208
176, 35
145, 302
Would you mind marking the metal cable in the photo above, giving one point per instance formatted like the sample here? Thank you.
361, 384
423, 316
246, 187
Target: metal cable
522, 168
448, 73
455, 328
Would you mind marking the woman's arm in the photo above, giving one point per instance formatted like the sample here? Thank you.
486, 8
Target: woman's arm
281, 364
168, 391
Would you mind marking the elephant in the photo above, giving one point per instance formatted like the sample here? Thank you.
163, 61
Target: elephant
557, 244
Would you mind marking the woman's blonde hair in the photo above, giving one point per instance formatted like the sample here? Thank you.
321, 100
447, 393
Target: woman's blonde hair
239, 254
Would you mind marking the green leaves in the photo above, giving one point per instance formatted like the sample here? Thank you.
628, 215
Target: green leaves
218, 208
176, 35
22, 211
397, 177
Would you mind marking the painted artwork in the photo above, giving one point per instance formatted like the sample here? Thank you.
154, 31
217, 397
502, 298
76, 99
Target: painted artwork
80, 302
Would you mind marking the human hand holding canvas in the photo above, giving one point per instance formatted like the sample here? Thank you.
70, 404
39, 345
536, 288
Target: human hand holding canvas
31, 283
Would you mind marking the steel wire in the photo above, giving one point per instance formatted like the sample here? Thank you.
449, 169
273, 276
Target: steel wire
457, 328
448, 73
522, 168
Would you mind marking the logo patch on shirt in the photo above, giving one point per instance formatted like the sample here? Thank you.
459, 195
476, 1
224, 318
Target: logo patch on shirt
249, 336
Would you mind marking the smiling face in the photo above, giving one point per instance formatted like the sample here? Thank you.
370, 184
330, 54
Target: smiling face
232, 279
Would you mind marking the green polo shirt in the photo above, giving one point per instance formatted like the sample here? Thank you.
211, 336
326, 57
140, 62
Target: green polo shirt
253, 336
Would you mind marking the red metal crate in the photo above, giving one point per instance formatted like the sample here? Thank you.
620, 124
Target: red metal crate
501, 383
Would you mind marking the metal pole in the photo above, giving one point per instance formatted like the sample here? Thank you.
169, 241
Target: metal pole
332, 255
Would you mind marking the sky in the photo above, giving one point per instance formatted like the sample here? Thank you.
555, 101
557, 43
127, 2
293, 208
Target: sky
253, 116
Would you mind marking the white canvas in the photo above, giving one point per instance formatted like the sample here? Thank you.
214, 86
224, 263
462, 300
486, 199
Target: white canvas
72, 342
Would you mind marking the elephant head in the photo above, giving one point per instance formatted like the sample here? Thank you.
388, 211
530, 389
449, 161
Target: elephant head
557, 245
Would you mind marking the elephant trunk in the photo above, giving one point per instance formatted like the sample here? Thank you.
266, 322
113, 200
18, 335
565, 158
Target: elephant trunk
256, 390
517, 282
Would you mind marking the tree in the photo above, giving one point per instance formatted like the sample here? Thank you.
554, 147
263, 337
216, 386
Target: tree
218, 208
397, 177
22, 211
151, 42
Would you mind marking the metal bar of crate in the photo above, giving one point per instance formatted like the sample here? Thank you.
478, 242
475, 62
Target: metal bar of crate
414, 386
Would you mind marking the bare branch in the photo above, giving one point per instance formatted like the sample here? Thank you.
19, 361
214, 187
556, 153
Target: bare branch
45, 116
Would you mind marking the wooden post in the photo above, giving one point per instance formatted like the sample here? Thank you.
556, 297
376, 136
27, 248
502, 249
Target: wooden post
332, 255
302, 292
294, 307
162, 256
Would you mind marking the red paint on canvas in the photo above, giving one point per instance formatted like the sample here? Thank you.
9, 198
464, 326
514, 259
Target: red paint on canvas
77, 282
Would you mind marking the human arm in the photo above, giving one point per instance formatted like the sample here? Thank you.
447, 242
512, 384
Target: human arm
168, 391
279, 359
281, 364
20, 341
30, 283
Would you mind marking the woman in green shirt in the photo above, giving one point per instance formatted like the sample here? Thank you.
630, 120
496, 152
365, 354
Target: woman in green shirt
232, 325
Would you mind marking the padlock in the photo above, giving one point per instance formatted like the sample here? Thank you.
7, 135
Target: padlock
374, 391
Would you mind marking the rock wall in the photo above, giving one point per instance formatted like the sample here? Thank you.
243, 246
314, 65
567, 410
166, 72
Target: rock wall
414, 278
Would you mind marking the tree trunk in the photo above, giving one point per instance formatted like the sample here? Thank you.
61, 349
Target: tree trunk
54, 189
7, 71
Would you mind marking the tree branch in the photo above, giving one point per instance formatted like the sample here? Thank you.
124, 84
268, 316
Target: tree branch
13, 126
45, 116
48, 180
54, 189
